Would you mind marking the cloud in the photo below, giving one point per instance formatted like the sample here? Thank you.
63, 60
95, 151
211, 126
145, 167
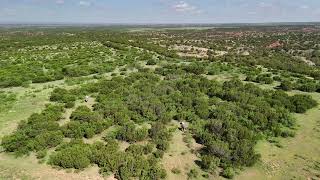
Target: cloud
183, 6
84, 3
264, 5
59, 1
252, 13
304, 7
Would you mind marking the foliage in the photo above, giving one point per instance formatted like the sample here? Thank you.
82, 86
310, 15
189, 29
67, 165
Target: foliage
226, 116
40, 131
7, 100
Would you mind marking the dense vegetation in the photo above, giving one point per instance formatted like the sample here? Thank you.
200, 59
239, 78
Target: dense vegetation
141, 82
7, 99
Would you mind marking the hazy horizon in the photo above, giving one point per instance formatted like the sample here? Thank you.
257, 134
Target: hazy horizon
158, 11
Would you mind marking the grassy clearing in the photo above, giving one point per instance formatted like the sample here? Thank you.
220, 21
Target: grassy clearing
299, 156
29, 100
29, 168
33, 100
180, 158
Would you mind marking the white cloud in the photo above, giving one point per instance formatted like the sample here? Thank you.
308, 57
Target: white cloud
183, 6
252, 13
60, 1
84, 3
264, 5
304, 7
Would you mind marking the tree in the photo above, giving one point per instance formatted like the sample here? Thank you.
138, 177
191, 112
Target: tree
286, 86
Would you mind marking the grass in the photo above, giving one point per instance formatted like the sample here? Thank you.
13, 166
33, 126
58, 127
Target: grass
299, 156
180, 158
29, 168
31, 100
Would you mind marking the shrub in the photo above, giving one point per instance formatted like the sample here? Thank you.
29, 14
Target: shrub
287, 133
175, 171
250, 78
209, 162
136, 150
302, 103
74, 156
40, 131
69, 104
286, 86
158, 153
84, 114
41, 154
48, 139
148, 148
151, 62
308, 87
129, 132
228, 173
62, 95
193, 174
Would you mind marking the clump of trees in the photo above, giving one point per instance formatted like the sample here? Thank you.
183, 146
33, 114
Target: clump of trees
286, 86
7, 99
63, 96
261, 78
72, 155
125, 165
38, 132
130, 133
228, 128
85, 123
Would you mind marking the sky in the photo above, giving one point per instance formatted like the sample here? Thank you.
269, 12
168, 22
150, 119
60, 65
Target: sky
158, 11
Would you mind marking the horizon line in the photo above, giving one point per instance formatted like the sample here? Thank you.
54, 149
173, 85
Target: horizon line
156, 23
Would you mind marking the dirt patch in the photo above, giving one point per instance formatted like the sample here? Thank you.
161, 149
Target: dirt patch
304, 59
190, 51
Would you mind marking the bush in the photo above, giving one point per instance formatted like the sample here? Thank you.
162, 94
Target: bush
84, 114
308, 87
162, 145
136, 150
195, 68
228, 173
250, 78
48, 139
268, 80
69, 104
209, 162
75, 156
286, 86
302, 103
158, 153
148, 148
40, 131
151, 62
193, 174
176, 171
41, 154
130, 133
62, 95
287, 133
